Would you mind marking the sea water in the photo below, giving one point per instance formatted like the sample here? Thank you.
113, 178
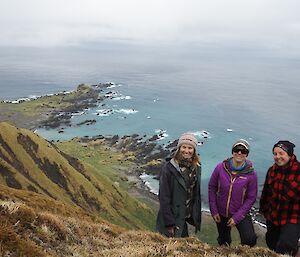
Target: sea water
219, 95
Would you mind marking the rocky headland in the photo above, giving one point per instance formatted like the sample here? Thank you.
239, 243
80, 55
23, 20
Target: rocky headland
54, 110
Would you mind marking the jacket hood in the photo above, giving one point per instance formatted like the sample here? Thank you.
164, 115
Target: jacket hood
248, 168
175, 164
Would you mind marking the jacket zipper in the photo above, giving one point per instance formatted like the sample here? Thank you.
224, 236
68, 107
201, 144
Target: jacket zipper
229, 194
244, 193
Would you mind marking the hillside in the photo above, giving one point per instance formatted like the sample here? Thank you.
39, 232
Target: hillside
53, 204
31, 163
35, 225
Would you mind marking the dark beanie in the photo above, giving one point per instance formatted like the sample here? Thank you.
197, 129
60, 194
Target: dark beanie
286, 146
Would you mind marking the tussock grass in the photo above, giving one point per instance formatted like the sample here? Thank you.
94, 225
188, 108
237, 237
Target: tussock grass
39, 233
10, 206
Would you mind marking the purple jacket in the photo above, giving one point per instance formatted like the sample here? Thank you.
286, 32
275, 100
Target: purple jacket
232, 195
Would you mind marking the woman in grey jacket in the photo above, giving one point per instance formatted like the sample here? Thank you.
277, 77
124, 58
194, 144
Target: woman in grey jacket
179, 190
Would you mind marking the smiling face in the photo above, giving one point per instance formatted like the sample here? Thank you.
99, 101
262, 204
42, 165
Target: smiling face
281, 157
186, 151
239, 155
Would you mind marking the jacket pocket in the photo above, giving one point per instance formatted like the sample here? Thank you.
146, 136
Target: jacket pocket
176, 211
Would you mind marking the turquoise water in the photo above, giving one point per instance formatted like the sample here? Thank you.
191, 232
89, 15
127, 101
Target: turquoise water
176, 90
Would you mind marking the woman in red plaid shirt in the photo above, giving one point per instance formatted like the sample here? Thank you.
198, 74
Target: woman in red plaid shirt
280, 200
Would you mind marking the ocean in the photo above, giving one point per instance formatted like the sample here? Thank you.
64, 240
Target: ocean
221, 95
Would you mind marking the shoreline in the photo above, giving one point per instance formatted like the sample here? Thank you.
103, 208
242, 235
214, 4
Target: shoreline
91, 95
52, 110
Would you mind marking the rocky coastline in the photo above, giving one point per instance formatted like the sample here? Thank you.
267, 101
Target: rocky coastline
56, 111
53, 110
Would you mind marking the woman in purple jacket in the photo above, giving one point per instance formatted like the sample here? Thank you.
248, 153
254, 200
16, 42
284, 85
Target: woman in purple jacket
232, 191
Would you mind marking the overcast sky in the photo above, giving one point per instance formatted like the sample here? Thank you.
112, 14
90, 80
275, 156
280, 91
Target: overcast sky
255, 23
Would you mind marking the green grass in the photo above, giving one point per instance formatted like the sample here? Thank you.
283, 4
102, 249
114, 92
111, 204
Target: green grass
105, 160
114, 166
209, 233
100, 189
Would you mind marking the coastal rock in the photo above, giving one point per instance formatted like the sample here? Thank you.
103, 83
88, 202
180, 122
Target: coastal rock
173, 144
87, 122
112, 140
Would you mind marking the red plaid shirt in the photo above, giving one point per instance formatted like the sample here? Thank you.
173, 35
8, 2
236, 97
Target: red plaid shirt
280, 198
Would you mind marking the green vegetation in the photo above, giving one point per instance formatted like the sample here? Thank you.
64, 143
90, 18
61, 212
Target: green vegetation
115, 166
107, 161
29, 114
29, 162
209, 233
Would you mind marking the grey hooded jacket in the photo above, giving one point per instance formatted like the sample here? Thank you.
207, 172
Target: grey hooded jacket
172, 198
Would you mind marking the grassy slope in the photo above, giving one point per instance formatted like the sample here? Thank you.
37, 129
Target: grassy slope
87, 188
49, 228
112, 164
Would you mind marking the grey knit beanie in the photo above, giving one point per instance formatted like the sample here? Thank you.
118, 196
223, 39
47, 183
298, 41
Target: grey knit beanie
188, 139
243, 143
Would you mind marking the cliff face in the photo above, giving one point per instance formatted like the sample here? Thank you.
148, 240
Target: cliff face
29, 162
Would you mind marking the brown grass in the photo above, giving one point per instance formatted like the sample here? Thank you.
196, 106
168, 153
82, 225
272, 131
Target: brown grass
25, 231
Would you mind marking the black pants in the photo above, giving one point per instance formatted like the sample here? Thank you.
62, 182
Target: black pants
245, 228
283, 239
185, 232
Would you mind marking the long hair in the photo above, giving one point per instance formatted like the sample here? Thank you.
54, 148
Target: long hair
195, 158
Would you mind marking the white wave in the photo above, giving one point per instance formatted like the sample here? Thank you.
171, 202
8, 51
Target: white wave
77, 113
202, 134
107, 112
229, 130
162, 136
24, 99
161, 133
111, 94
104, 112
149, 181
32, 97
118, 98
127, 111
158, 131
66, 92
113, 85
